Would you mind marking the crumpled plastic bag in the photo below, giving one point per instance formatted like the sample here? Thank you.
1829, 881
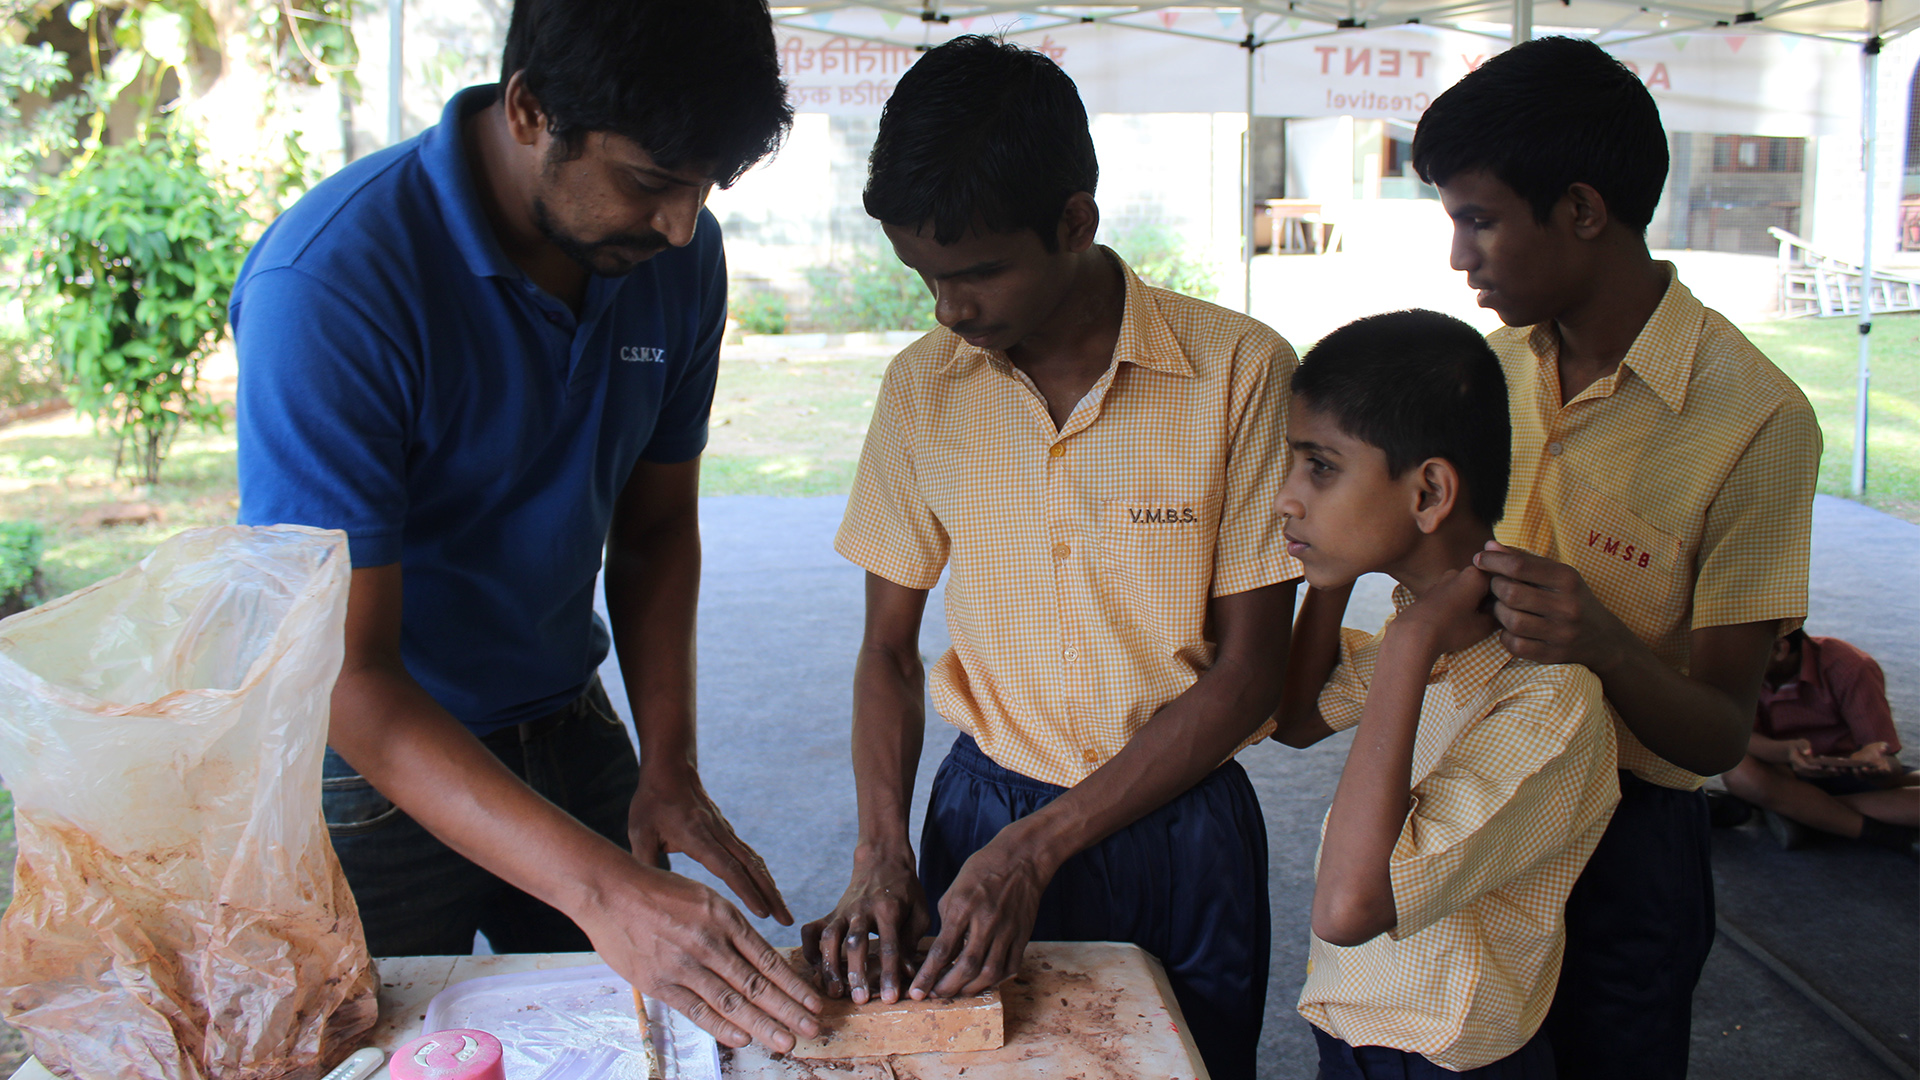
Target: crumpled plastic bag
178, 911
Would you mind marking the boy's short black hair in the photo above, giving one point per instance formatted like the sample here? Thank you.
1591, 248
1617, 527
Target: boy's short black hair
690, 83
1543, 116
1418, 385
981, 134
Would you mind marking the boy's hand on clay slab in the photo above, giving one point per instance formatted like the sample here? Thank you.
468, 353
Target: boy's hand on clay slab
883, 901
986, 918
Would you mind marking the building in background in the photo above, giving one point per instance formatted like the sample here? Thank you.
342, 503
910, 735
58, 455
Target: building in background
1764, 129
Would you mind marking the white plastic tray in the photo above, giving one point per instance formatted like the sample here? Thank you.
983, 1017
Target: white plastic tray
574, 1024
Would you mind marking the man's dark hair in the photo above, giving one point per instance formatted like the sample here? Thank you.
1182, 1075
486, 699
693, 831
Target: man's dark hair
1543, 116
1796, 637
981, 134
1418, 385
691, 83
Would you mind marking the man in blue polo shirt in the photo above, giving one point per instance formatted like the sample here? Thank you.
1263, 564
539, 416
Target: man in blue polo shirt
488, 355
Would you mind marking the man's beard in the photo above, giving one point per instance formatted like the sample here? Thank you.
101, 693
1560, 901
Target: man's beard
614, 256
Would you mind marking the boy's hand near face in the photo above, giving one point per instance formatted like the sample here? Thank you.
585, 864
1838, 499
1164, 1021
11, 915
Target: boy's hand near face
1453, 614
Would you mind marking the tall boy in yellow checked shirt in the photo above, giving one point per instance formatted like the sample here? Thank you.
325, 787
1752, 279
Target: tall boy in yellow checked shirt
1092, 461
1477, 783
1658, 525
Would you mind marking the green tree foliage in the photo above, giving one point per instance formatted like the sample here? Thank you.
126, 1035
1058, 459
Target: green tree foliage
25, 143
1162, 257
873, 292
759, 311
129, 259
20, 580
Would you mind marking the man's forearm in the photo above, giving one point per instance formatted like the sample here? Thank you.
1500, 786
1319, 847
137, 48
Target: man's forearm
1185, 740
1189, 737
653, 595
1689, 719
889, 729
394, 734
1777, 751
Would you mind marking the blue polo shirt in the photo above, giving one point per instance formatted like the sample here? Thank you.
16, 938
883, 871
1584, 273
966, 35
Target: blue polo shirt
402, 380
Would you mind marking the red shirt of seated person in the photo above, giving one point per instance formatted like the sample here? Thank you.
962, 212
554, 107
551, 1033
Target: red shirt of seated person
1837, 700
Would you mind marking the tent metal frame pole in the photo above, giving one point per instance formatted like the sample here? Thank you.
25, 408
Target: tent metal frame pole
396, 68
1868, 145
1246, 181
1523, 21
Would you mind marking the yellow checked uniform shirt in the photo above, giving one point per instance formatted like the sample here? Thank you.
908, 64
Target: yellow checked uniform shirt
1680, 486
1082, 559
1514, 781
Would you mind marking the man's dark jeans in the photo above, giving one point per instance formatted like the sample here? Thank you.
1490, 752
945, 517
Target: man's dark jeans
419, 897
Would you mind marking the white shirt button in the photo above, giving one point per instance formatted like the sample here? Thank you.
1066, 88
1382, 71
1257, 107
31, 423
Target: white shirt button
1070, 652
1554, 448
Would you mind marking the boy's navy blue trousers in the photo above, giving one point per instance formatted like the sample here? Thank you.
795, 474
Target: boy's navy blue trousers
1187, 883
1342, 1061
1639, 925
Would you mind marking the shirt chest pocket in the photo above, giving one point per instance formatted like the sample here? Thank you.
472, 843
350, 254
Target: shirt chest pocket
1634, 568
1156, 565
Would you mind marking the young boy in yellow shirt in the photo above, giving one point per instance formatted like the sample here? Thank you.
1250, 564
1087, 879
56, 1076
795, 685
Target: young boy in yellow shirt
1478, 783
1659, 522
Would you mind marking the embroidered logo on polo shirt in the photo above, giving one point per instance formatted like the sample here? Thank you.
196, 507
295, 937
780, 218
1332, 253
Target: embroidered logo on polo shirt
642, 354
1170, 515
1619, 549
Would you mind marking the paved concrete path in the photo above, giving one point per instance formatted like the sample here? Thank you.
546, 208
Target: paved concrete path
780, 618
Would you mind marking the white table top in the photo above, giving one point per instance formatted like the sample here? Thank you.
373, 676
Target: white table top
1095, 1010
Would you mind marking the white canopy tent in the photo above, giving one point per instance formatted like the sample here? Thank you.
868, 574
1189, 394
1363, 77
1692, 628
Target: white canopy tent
1316, 57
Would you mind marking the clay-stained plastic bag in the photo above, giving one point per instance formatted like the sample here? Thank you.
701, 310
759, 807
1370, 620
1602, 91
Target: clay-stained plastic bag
178, 912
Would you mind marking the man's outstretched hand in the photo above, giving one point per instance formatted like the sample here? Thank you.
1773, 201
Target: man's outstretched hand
681, 942
884, 900
672, 812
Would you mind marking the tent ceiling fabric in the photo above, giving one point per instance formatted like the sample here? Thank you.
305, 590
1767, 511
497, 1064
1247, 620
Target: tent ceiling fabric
1737, 94
1610, 22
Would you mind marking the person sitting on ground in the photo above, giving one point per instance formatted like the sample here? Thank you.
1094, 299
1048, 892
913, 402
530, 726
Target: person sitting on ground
1823, 748
1478, 783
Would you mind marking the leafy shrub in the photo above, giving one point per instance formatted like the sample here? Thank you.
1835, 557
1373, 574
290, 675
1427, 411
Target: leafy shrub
873, 292
759, 311
27, 374
1161, 257
20, 582
128, 261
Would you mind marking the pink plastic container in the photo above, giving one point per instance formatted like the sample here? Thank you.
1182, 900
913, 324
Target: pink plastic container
455, 1054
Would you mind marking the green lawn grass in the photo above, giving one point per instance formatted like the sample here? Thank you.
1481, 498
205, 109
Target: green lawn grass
789, 428
795, 428
1822, 355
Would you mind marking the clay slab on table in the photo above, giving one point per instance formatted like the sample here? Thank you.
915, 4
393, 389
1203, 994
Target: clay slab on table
879, 1028
1085, 1010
